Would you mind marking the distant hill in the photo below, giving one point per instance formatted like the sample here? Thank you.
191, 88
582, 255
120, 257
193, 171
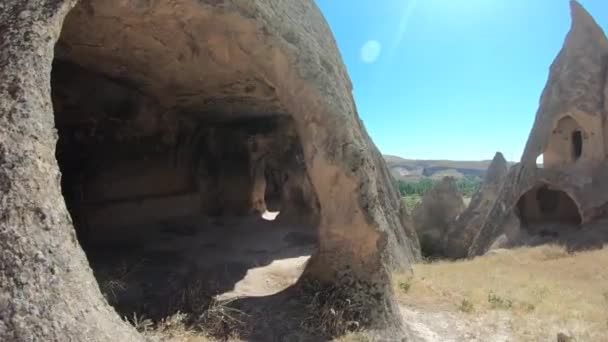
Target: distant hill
410, 169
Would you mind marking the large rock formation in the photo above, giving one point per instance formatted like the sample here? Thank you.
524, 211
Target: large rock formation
461, 234
435, 214
571, 134
172, 102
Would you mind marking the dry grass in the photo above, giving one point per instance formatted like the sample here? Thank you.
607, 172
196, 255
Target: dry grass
330, 310
176, 329
542, 289
113, 282
214, 325
207, 319
222, 321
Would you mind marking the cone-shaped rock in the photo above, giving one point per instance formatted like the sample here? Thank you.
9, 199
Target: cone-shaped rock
570, 133
463, 231
434, 215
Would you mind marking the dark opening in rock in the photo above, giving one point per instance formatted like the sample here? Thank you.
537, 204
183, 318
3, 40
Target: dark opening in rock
548, 200
577, 144
174, 206
546, 211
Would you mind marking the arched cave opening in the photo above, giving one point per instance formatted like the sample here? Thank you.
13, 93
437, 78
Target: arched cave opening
549, 212
168, 192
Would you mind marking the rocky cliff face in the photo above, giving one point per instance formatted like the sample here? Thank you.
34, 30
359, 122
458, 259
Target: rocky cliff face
570, 133
185, 62
461, 234
435, 214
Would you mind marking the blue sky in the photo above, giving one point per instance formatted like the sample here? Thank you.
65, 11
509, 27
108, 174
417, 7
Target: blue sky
450, 79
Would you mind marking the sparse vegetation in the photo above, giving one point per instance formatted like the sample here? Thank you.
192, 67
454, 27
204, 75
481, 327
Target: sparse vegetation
330, 312
538, 291
177, 329
405, 285
140, 322
113, 282
467, 186
411, 201
222, 321
466, 306
497, 302
218, 322
412, 191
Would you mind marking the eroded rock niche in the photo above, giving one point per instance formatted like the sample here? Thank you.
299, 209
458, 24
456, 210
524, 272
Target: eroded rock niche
124, 161
155, 193
542, 205
167, 86
568, 143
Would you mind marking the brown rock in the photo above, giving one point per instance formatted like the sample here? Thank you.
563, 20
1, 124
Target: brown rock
433, 216
463, 231
179, 65
570, 188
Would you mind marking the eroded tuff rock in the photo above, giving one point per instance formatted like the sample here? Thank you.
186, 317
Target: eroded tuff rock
187, 65
569, 131
461, 234
434, 215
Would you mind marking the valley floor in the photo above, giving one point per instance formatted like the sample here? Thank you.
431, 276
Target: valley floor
528, 294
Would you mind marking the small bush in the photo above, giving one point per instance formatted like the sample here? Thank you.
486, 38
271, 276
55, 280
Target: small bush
114, 282
141, 324
411, 201
222, 321
528, 307
405, 285
330, 310
553, 253
466, 306
497, 302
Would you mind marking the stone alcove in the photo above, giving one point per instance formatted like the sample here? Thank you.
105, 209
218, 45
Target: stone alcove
177, 69
547, 210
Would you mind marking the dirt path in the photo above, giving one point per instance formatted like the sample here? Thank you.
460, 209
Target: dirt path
269, 279
444, 326
161, 269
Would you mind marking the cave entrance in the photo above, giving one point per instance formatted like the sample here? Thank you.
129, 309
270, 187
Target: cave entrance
170, 199
548, 212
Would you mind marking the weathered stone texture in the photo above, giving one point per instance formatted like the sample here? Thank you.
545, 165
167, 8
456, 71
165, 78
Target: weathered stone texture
205, 57
435, 214
461, 234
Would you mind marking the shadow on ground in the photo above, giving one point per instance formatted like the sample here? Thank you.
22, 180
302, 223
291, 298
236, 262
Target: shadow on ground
155, 271
575, 238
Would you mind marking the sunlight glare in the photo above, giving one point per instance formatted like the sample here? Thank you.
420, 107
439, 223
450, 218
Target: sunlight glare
270, 215
370, 51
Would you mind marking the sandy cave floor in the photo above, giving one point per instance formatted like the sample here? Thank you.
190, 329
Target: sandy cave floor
157, 270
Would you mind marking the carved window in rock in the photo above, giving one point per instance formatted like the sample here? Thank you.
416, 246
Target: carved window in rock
577, 144
566, 144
